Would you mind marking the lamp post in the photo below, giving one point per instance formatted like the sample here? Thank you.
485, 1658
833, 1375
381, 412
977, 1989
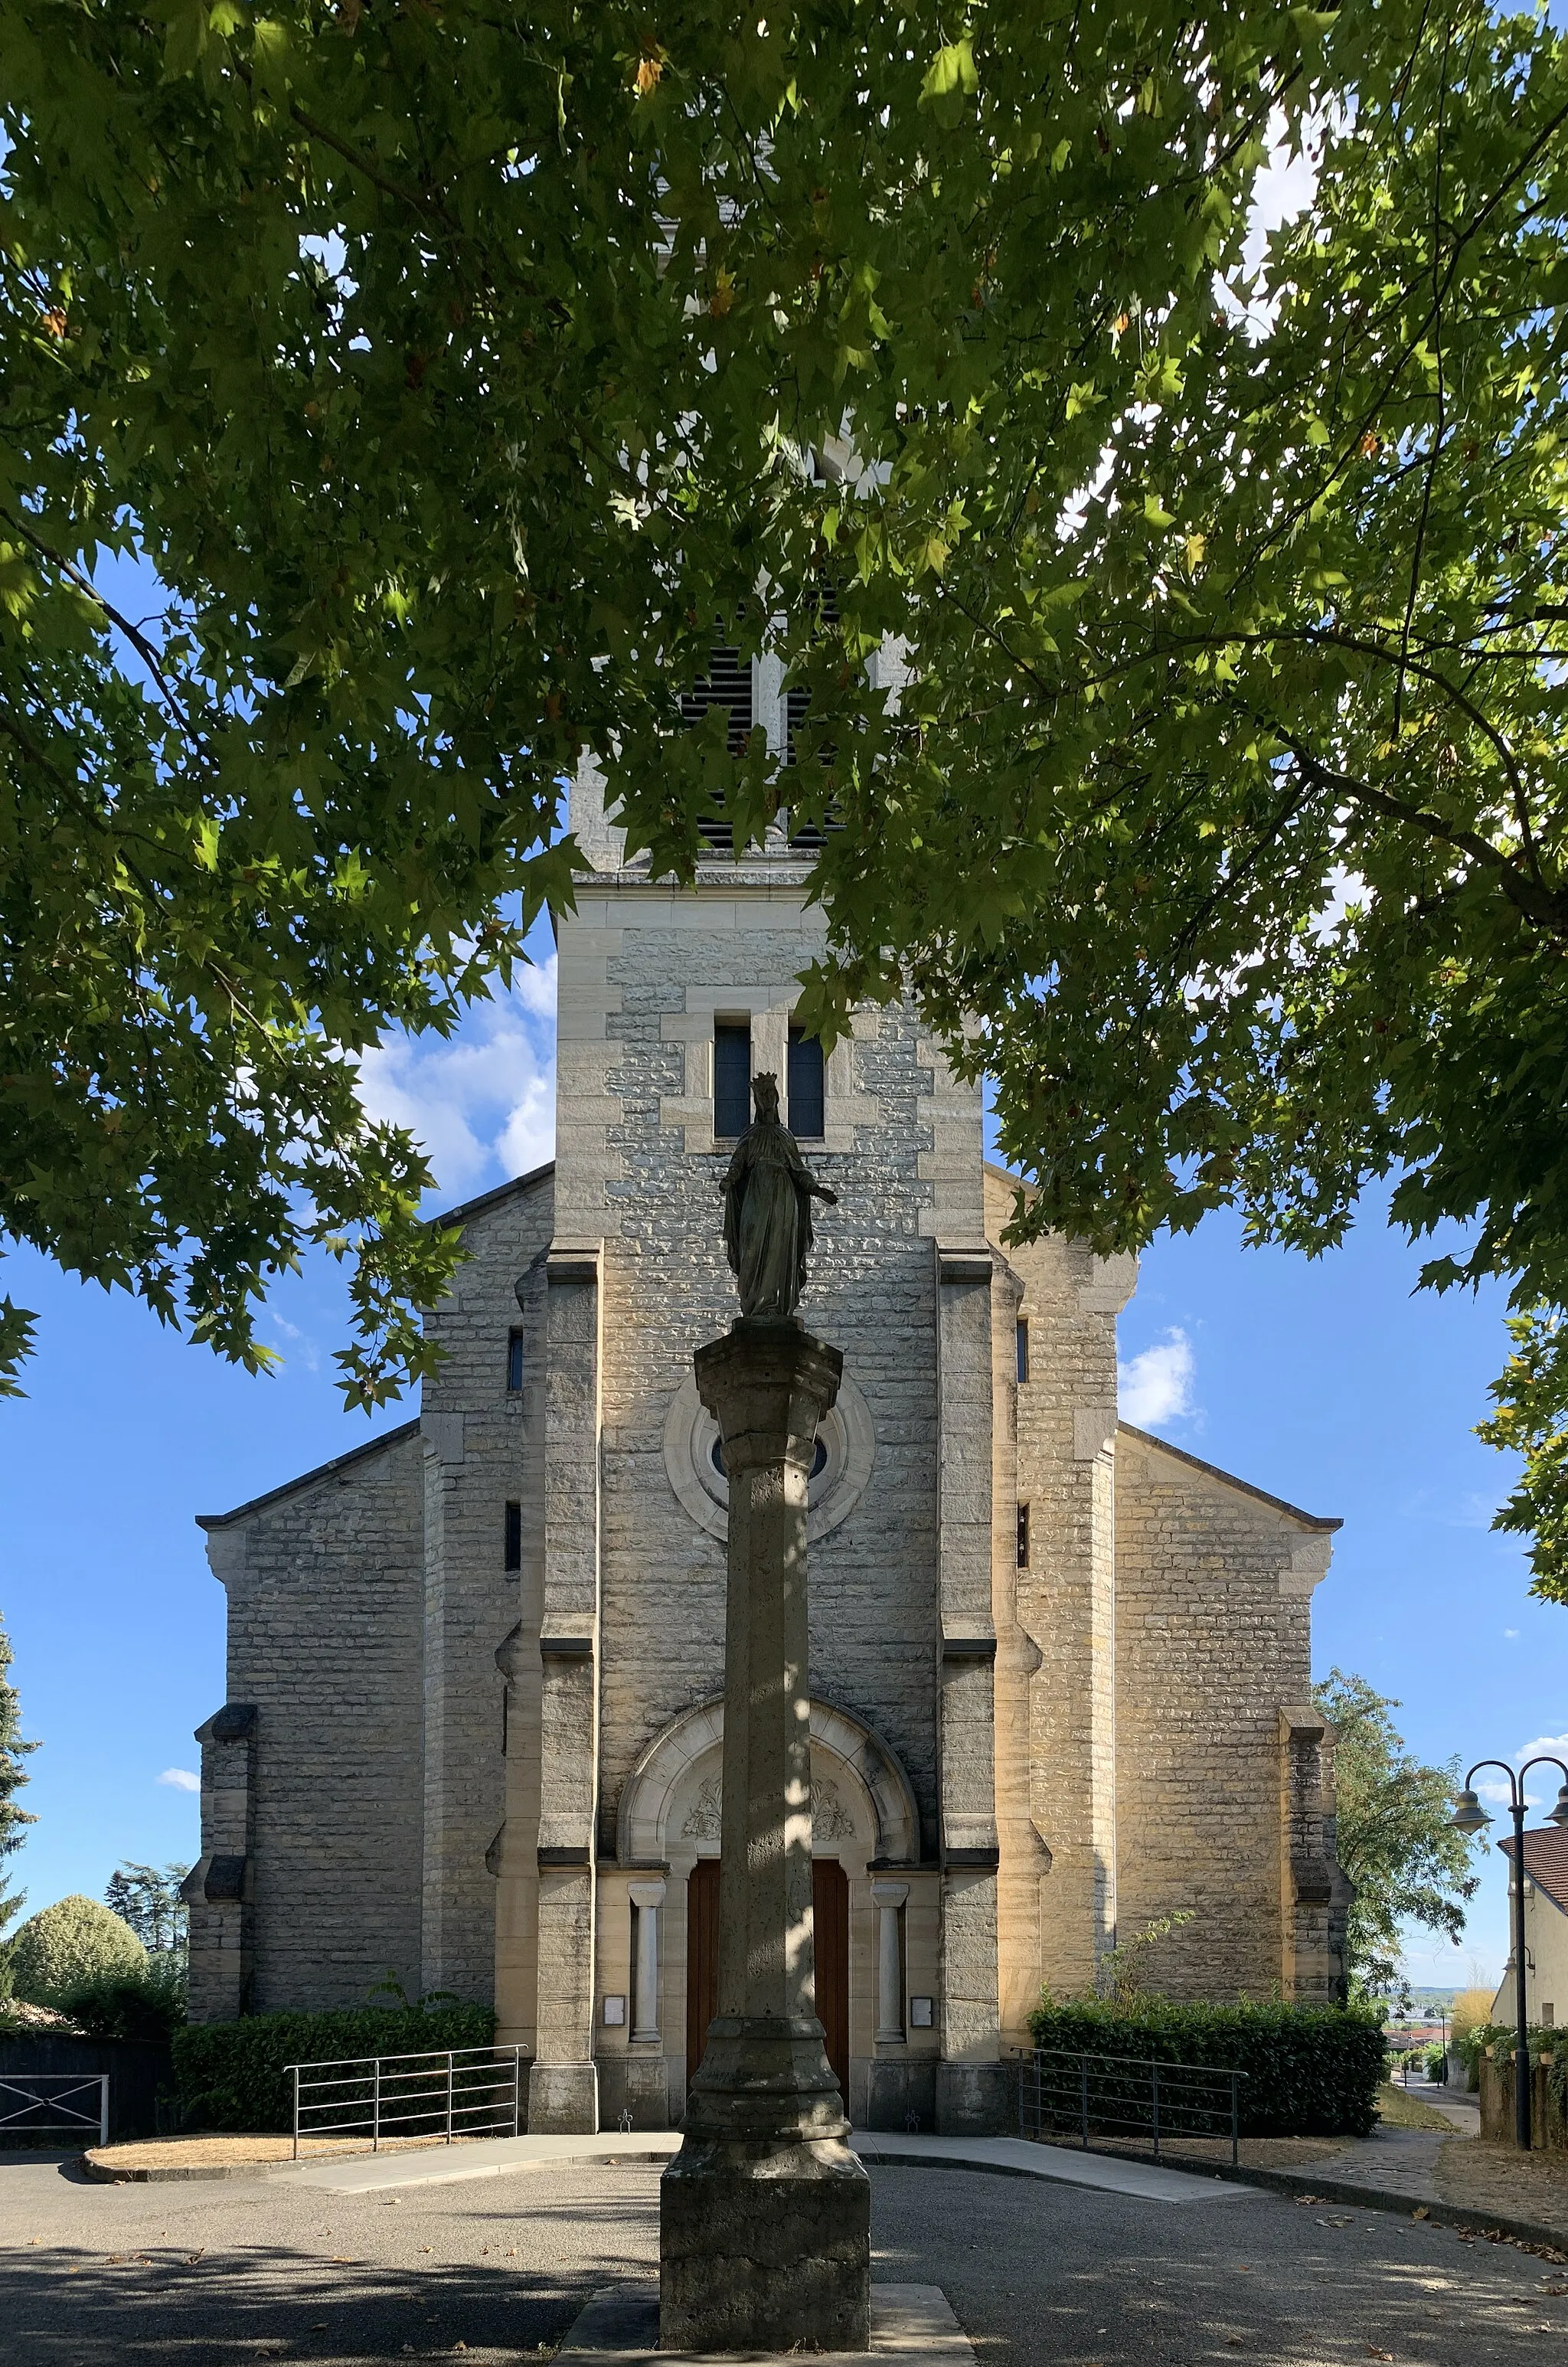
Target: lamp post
1470, 1816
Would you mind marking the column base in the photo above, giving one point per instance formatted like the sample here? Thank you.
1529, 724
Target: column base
893, 2095
635, 2084
975, 2099
764, 2247
563, 2099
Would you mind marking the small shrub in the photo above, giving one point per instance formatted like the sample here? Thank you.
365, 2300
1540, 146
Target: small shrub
149, 2005
233, 2075
61, 1947
1311, 2071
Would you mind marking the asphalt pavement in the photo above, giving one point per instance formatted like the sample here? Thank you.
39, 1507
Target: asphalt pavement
1039, 2275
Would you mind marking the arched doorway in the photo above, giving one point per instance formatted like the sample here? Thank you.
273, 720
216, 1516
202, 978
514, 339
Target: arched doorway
830, 1922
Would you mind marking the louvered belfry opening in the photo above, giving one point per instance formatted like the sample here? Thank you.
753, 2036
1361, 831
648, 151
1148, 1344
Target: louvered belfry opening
797, 702
727, 684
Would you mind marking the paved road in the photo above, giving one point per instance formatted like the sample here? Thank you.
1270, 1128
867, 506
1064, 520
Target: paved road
1041, 2276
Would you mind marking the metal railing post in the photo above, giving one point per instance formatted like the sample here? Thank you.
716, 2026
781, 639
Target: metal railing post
103, 2108
296, 2069
517, 2090
1153, 2092
449, 2096
1083, 2097
1236, 2119
376, 2108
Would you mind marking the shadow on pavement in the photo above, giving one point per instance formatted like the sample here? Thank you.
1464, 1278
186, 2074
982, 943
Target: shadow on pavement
68, 2307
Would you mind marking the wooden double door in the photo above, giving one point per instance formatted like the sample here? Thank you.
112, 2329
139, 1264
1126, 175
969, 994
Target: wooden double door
830, 1918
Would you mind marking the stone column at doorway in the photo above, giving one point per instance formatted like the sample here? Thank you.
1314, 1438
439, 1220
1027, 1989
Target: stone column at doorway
648, 1897
888, 1897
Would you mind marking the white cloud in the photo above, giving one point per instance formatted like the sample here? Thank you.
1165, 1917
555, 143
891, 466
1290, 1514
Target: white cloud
481, 1101
180, 1779
309, 1354
1510, 1633
1156, 1386
1553, 1745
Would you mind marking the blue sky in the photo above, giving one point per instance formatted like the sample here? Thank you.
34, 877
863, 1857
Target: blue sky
1326, 1383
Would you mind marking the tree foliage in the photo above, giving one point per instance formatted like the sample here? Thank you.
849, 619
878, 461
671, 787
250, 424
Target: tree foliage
73, 1941
13, 1752
1397, 1840
148, 1897
455, 373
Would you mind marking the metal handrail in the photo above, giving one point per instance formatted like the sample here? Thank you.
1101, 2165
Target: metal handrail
444, 2093
1063, 2090
69, 2116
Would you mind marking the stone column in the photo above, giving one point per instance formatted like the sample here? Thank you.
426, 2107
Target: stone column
765, 2213
888, 1897
648, 1897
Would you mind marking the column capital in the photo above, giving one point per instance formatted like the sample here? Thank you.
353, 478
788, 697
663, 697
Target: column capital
646, 1894
889, 1893
767, 1382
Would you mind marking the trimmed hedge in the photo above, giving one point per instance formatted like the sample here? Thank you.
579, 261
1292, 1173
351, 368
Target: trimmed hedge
233, 2075
1311, 2071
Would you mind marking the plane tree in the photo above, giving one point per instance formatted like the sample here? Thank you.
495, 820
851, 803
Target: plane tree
399, 399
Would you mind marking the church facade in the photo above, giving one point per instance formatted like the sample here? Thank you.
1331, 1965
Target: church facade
1059, 1668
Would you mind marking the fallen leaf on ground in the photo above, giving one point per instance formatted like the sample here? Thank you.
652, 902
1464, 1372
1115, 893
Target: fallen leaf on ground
1374, 2353
1420, 2212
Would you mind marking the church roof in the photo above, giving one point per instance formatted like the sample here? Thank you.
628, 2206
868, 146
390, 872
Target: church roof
1546, 1863
491, 1199
1229, 1479
309, 1479
461, 1214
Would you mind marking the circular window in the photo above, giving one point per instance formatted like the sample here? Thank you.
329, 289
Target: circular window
819, 1460
694, 1459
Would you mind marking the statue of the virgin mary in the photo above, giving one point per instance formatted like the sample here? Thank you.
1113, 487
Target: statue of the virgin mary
768, 1193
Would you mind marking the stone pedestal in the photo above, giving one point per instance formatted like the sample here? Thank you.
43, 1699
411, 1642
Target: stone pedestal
764, 2235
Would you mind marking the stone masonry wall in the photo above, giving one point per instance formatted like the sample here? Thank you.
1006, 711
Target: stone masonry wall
1213, 1601
644, 972
325, 1619
1059, 1663
483, 1444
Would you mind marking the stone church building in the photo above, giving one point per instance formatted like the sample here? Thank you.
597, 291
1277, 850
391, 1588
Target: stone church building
1060, 1669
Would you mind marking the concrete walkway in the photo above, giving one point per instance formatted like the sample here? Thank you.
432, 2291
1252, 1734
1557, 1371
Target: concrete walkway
1008, 2156
913, 2323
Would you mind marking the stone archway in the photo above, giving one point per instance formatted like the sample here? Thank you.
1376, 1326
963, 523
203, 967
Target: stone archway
843, 1748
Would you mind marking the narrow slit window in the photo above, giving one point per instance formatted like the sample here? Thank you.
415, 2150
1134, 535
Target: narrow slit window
806, 1095
515, 1360
1024, 1536
1022, 1336
731, 1076
512, 1537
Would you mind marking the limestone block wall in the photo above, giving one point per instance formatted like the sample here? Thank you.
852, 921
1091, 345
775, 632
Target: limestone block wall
1057, 1617
483, 1449
644, 972
325, 1588
1213, 1583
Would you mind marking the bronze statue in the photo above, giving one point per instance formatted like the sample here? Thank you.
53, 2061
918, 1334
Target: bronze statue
768, 1193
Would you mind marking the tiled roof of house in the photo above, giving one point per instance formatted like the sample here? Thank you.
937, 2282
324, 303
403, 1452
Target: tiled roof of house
1546, 1862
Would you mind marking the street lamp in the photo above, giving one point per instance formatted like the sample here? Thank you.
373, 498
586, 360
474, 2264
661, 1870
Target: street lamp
1470, 1816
